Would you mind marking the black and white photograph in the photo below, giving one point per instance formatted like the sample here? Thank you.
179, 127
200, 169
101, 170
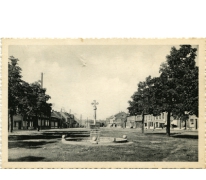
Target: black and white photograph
103, 101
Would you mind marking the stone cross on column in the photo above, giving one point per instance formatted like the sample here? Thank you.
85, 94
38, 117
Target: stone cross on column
94, 103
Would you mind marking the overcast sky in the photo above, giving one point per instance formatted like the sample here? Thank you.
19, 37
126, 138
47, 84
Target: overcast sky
74, 76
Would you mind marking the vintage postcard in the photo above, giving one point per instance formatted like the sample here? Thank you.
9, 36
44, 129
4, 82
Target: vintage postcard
103, 103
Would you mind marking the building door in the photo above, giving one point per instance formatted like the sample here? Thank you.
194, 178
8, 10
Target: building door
195, 123
157, 125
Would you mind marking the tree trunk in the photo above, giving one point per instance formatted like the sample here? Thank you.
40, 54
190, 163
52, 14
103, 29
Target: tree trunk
180, 124
142, 122
8, 120
185, 124
37, 119
22, 121
49, 121
168, 124
11, 121
41, 121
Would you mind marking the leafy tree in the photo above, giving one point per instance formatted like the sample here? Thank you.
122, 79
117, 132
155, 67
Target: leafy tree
142, 100
24, 98
25, 103
38, 99
14, 89
176, 90
34, 101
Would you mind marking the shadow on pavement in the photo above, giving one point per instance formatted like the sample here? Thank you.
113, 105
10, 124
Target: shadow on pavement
162, 133
50, 135
175, 135
28, 145
27, 137
186, 136
27, 159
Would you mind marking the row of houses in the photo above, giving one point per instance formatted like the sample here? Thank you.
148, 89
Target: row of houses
56, 120
117, 120
87, 123
152, 122
123, 120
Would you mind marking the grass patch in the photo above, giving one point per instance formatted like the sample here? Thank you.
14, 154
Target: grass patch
46, 146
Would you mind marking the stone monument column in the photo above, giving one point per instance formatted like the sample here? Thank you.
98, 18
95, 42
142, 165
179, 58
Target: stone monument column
95, 108
95, 129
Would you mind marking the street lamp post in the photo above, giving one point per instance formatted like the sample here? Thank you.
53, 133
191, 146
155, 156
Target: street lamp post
95, 103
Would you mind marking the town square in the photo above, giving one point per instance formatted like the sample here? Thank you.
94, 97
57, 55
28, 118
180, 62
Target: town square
96, 103
26, 146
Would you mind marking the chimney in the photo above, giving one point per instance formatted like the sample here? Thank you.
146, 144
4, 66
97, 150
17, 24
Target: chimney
41, 80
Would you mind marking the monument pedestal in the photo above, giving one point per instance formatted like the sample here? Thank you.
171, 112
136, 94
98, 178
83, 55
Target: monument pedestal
95, 133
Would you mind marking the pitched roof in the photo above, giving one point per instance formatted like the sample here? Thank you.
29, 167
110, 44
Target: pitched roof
120, 113
56, 114
69, 115
62, 115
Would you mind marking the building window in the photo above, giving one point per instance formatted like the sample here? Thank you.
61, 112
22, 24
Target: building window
191, 121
